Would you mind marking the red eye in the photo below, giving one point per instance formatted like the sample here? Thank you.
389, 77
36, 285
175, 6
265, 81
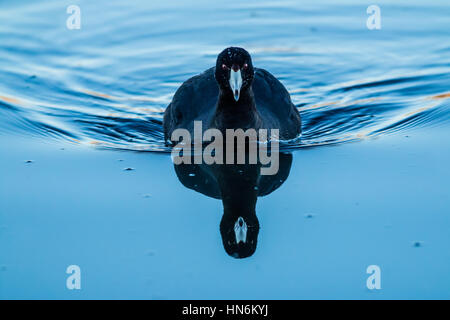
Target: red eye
245, 66
224, 67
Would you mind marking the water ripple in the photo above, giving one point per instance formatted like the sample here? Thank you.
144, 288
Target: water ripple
110, 123
108, 85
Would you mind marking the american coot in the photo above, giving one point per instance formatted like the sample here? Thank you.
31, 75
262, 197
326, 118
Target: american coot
233, 95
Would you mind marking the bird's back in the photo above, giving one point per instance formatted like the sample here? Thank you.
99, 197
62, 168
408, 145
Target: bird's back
196, 99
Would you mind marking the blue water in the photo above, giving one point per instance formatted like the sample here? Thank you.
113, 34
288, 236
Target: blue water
67, 95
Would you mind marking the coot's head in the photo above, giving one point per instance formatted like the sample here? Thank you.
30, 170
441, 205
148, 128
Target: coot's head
234, 71
239, 235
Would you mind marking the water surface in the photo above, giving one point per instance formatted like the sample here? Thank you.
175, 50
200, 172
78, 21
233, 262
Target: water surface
109, 82
341, 209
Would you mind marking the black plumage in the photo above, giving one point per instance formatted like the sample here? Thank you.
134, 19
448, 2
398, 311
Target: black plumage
264, 102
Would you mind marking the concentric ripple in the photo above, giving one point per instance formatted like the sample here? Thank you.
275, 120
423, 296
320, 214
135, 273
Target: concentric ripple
108, 84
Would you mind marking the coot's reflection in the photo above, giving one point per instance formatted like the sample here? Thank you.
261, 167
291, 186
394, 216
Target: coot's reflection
238, 186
